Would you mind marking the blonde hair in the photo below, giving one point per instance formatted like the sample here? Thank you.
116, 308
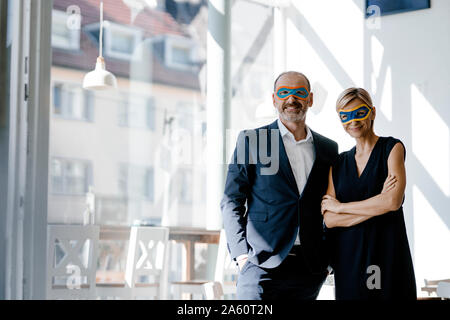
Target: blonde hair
350, 94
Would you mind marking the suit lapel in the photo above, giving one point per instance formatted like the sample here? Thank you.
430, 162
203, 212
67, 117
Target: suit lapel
318, 158
317, 147
285, 166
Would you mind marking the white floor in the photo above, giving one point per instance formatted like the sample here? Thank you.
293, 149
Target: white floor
326, 293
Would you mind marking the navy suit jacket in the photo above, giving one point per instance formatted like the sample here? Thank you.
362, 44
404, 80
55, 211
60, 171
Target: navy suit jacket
262, 212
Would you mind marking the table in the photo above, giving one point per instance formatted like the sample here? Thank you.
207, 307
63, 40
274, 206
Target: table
189, 236
431, 287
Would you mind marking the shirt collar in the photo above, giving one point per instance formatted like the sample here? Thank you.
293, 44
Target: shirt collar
284, 131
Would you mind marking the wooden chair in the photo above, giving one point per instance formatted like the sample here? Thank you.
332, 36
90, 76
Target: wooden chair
71, 261
213, 290
226, 272
146, 271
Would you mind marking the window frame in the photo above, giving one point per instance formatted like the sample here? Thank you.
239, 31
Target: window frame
109, 29
25, 260
36, 142
90, 114
172, 41
89, 179
124, 106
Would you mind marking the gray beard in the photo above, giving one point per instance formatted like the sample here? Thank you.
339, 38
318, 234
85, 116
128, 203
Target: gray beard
292, 118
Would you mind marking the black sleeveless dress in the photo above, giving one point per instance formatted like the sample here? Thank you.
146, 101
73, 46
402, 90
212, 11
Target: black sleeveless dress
371, 260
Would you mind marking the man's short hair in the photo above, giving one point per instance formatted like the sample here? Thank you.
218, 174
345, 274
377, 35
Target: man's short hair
286, 72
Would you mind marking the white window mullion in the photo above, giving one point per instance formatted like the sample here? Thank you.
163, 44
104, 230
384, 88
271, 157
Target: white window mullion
17, 150
36, 195
22, 147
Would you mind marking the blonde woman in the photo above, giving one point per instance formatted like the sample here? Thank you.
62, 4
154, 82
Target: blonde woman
363, 210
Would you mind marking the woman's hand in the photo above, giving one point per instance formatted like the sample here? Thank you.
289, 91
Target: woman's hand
331, 219
389, 183
330, 203
328, 219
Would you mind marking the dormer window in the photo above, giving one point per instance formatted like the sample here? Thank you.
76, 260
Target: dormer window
120, 41
64, 37
179, 53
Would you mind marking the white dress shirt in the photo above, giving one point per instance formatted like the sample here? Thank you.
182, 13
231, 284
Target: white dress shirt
301, 155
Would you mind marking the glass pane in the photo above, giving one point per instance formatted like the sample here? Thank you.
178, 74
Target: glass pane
180, 55
126, 148
156, 110
60, 35
252, 58
57, 99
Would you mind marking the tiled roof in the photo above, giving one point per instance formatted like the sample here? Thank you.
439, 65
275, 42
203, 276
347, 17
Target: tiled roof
151, 22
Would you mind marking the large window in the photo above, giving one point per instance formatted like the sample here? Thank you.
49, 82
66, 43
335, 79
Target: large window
137, 154
134, 137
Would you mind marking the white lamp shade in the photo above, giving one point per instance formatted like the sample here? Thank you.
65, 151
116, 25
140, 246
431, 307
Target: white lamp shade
100, 78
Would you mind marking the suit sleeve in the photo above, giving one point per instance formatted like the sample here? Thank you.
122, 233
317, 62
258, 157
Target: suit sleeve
236, 194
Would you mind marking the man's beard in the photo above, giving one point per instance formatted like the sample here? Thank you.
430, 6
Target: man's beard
291, 116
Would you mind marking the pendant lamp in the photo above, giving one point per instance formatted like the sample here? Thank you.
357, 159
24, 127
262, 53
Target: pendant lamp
100, 78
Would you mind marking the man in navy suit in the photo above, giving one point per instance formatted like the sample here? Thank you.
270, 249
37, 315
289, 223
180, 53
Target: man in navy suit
271, 204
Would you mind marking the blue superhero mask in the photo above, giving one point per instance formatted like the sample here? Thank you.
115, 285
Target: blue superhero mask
284, 93
358, 113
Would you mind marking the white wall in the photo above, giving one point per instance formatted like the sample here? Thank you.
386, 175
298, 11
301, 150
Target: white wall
405, 66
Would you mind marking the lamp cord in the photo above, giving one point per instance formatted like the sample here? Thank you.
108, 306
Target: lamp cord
101, 29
